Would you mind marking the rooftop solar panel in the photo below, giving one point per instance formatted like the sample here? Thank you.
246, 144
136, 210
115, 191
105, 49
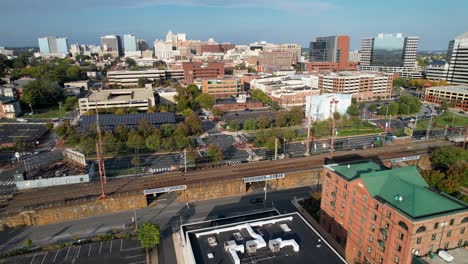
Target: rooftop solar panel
110, 121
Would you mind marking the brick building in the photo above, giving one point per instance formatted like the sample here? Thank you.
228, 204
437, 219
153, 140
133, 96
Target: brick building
455, 94
199, 70
364, 86
382, 215
221, 88
311, 67
271, 61
217, 48
9, 107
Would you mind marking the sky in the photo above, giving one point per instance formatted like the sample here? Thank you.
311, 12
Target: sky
235, 21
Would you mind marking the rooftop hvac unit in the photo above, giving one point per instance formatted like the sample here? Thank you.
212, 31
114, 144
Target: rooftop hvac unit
251, 246
229, 244
274, 245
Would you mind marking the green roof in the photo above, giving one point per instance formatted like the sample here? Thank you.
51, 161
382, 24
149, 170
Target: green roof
354, 170
406, 190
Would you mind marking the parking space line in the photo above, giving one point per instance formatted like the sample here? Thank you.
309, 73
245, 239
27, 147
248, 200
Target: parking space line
132, 248
90, 246
67, 253
56, 254
121, 244
136, 256
100, 249
138, 262
33, 258
79, 249
44, 257
110, 249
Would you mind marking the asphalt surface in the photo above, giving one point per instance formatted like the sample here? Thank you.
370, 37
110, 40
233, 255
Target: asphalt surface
167, 214
126, 251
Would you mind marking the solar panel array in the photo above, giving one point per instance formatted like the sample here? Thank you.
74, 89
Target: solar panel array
110, 121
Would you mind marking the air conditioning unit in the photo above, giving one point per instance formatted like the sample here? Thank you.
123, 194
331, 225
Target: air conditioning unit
274, 245
251, 246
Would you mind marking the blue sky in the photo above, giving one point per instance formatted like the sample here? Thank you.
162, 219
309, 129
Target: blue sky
237, 21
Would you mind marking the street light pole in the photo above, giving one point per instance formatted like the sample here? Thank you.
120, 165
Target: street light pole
453, 119
265, 190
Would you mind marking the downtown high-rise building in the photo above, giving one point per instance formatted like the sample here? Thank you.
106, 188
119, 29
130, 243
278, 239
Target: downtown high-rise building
53, 46
130, 43
457, 59
112, 43
330, 49
390, 50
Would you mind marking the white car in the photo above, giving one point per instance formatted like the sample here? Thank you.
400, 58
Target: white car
22, 120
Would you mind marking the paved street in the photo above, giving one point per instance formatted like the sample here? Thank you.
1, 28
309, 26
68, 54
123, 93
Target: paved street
167, 214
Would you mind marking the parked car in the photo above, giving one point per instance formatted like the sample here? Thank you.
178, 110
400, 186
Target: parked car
22, 120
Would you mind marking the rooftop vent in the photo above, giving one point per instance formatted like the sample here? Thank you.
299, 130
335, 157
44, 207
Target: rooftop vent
398, 198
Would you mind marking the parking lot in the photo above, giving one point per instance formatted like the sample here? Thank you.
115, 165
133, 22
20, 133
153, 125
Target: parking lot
126, 251
25, 132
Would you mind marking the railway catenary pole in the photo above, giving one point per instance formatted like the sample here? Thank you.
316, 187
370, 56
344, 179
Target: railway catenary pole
100, 158
332, 145
466, 135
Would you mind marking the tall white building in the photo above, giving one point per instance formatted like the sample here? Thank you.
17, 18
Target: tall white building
354, 56
130, 43
164, 50
53, 46
457, 58
389, 50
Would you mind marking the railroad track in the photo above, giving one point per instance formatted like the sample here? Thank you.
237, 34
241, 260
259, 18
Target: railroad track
69, 193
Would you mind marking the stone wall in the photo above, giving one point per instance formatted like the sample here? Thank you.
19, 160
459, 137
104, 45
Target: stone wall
213, 190
74, 211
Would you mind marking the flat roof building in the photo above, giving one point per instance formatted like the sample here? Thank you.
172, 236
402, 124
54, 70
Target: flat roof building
271, 61
455, 94
130, 121
265, 237
141, 99
221, 88
112, 43
364, 86
457, 58
53, 46
200, 70
382, 215
130, 78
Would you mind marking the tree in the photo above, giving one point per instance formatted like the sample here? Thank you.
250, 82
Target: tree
214, 153
404, 109
373, 108
263, 122
153, 142
250, 124
142, 81
217, 111
282, 119
135, 140
393, 109
109, 142
145, 128
167, 130
70, 103
121, 133
148, 234
275, 106
130, 62
336, 116
289, 134
352, 110
400, 82
259, 95
448, 156
194, 123
28, 243
205, 100
233, 125
42, 93
296, 115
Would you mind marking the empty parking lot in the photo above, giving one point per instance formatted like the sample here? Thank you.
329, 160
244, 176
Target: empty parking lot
126, 251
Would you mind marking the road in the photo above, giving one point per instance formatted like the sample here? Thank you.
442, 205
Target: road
167, 214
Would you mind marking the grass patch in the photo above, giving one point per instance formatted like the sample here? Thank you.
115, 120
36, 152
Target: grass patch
443, 120
352, 132
51, 112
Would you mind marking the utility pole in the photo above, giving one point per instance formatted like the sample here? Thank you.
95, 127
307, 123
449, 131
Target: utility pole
276, 148
428, 128
308, 126
60, 109
265, 190
332, 111
445, 133
100, 157
185, 160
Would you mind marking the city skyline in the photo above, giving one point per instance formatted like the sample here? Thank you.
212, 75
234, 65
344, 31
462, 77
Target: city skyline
239, 22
